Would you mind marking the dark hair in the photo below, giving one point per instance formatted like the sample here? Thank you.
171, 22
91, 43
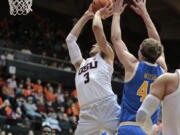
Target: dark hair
151, 49
46, 126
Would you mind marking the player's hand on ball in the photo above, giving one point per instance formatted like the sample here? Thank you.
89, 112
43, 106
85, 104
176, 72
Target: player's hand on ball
106, 12
119, 6
90, 12
140, 7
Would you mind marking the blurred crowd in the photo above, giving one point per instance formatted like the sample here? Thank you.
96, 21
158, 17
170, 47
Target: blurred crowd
40, 35
34, 35
49, 104
44, 36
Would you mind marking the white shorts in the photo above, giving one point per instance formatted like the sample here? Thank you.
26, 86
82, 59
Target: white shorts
99, 116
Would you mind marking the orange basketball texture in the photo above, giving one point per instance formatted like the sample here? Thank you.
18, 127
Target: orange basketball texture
97, 4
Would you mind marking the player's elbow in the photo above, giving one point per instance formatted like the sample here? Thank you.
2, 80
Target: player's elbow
68, 39
96, 27
141, 117
114, 39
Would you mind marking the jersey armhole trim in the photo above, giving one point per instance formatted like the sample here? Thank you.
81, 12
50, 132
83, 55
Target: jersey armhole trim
83, 61
162, 69
133, 74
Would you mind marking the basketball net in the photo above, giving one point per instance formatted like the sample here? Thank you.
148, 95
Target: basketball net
20, 7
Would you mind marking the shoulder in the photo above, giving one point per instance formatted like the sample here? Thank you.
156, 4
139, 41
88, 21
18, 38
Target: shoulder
167, 83
169, 76
172, 78
167, 79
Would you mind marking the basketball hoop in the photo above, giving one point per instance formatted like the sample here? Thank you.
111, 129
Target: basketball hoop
20, 7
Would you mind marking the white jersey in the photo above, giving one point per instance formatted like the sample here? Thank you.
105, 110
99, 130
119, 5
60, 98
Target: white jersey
93, 80
171, 112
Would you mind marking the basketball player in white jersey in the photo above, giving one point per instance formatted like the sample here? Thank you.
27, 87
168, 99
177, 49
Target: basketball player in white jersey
99, 109
165, 89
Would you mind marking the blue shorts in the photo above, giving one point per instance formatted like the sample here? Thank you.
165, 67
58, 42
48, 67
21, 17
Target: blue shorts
130, 130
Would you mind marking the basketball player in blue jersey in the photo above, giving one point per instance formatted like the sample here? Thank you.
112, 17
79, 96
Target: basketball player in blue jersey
139, 73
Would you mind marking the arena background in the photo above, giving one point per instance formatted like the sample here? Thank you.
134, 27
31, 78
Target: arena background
33, 48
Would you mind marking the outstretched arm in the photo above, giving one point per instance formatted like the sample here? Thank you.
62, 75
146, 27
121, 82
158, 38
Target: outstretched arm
124, 56
141, 10
99, 33
73, 48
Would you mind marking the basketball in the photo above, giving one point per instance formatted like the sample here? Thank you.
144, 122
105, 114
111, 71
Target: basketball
97, 4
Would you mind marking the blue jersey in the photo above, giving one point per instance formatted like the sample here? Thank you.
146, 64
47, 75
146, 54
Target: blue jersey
137, 89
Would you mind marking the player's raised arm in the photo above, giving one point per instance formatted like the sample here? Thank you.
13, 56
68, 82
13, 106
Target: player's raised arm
141, 10
162, 62
99, 32
124, 56
73, 48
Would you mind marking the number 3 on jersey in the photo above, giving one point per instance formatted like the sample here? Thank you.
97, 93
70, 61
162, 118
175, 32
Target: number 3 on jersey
86, 75
142, 91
